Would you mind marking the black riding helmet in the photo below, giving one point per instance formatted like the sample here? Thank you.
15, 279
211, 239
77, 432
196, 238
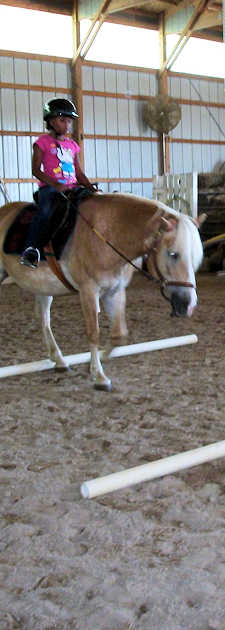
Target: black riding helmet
59, 107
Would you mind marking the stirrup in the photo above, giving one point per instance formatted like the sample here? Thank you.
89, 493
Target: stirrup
30, 257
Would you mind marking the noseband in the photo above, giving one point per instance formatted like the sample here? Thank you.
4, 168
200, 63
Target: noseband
164, 283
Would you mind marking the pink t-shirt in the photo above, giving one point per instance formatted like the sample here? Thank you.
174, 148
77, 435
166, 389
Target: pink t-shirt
58, 159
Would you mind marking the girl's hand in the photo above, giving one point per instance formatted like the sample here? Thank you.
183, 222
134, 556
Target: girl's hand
60, 187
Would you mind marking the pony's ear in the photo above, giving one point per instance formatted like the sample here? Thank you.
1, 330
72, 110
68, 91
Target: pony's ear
168, 224
200, 220
158, 222
164, 223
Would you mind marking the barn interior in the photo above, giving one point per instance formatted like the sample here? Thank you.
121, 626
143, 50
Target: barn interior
149, 556
176, 121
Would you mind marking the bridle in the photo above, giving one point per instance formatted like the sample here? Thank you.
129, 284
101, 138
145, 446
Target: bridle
164, 283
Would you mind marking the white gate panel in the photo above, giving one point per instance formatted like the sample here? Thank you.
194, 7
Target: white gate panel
179, 192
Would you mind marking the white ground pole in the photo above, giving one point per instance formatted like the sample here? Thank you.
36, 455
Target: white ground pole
118, 351
146, 472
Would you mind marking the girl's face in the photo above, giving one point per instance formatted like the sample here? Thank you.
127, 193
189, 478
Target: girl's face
61, 124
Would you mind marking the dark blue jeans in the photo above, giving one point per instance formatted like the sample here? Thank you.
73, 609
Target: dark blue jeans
38, 229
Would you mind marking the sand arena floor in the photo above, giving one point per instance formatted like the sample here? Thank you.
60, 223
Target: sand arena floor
151, 557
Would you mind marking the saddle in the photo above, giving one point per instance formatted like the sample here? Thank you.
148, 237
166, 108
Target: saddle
61, 224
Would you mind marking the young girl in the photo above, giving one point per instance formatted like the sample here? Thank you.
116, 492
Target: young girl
56, 165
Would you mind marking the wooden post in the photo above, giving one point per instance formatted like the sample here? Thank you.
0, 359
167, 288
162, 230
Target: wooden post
76, 73
164, 147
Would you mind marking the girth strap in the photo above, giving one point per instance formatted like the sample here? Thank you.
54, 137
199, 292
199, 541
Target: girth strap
55, 267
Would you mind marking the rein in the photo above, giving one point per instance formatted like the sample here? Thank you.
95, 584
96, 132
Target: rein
153, 251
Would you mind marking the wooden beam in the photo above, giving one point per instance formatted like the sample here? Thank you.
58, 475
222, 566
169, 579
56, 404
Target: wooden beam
76, 73
164, 147
93, 29
123, 5
184, 36
49, 7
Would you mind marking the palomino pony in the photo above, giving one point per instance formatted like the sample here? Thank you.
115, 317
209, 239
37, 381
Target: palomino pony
111, 230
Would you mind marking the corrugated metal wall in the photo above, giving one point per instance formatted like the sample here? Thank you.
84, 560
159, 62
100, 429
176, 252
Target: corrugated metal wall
25, 84
120, 153
197, 142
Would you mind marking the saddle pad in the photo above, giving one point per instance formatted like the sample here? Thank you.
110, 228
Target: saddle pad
61, 224
16, 235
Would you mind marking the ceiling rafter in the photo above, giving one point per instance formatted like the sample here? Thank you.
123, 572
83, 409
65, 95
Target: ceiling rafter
142, 12
184, 36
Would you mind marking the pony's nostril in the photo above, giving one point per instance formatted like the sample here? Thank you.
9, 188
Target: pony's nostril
180, 304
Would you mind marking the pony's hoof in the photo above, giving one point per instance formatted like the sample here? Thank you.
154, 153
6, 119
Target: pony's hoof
104, 387
63, 369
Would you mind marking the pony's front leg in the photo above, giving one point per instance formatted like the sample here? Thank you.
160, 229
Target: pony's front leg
115, 305
42, 310
90, 306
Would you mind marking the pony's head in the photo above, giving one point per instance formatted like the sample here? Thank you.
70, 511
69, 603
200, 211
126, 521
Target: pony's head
174, 255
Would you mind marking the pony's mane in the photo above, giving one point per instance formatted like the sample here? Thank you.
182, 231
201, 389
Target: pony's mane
186, 225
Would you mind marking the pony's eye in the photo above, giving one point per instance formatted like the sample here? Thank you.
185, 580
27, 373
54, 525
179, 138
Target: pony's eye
173, 255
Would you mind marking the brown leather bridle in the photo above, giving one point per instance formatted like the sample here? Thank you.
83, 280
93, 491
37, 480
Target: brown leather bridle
164, 283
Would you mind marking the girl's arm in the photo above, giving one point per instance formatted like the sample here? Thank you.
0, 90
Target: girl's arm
36, 170
80, 175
